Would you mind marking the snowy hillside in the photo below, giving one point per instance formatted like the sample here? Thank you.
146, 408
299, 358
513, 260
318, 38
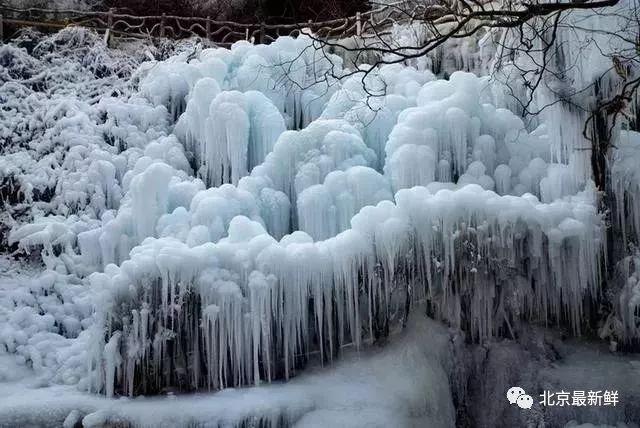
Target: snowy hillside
251, 228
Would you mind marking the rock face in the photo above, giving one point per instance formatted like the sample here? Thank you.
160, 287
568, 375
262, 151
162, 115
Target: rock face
541, 361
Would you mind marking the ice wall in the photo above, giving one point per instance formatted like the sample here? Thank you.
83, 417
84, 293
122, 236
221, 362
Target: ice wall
244, 309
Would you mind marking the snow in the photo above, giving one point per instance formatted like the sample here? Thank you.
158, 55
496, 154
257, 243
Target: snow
43, 318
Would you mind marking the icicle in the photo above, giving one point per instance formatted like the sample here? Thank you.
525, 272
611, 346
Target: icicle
113, 361
261, 311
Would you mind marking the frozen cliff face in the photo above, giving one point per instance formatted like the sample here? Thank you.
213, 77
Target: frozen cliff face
237, 311
625, 183
242, 221
544, 363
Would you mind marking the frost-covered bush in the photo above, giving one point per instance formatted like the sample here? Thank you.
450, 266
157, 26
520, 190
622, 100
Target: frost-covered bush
78, 164
44, 318
64, 140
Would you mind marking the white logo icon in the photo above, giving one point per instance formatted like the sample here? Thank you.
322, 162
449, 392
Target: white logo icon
516, 395
525, 401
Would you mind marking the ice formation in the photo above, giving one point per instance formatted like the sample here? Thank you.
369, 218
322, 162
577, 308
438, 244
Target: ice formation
625, 182
455, 134
372, 105
467, 245
236, 214
230, 290
295, 78
228, 132
301, 159
580, 70
326, 209
622, 326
